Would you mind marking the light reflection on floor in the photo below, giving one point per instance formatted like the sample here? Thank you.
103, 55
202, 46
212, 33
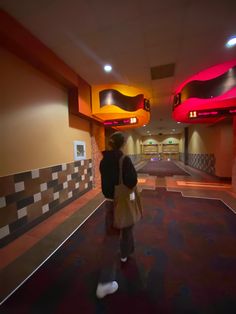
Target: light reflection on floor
205, 184
198, 185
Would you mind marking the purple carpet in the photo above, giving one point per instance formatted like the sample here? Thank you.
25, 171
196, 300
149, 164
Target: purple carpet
162, 168
185, 262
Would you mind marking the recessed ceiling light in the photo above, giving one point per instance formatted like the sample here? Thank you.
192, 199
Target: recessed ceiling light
107, 68
231, 42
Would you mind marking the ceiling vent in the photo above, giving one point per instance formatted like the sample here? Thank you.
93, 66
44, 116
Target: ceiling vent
162, 71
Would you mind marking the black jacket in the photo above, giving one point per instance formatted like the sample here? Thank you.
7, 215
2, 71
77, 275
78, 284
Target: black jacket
109, 169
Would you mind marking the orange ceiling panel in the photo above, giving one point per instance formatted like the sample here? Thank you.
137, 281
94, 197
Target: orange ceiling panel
116, 104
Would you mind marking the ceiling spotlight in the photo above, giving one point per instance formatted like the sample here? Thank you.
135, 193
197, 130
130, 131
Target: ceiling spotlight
231, 42
144, 125
107, 68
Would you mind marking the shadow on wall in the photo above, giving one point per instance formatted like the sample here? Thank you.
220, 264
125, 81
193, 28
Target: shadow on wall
76, 122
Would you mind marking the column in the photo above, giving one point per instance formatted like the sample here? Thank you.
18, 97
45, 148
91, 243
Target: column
98, 145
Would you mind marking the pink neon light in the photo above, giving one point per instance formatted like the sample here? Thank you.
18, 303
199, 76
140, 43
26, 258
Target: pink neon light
207, 113
208, 74
226, 100
232, 111
114, 122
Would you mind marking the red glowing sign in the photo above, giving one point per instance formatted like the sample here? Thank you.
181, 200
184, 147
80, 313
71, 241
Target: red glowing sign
209, 94
195, 114
120, 122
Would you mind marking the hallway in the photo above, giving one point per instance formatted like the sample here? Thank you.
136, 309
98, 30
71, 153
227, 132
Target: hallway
163, 73
23, 260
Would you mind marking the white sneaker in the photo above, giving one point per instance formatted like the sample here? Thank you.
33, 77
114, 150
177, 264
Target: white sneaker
106, 288
124, 259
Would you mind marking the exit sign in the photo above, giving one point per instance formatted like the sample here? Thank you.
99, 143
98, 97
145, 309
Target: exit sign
150, 142
170, 142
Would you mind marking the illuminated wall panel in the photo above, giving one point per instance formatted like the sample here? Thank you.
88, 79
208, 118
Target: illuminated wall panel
120, 106
208, 96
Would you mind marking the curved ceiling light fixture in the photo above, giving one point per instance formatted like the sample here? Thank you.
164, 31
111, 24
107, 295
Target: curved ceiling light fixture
208, 96
120, 106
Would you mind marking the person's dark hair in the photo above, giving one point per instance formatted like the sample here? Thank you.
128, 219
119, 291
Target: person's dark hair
117, 140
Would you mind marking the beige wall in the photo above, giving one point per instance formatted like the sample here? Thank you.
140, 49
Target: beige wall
201, 139
224, 150
133, 144
216, 139
36, 130
181, 143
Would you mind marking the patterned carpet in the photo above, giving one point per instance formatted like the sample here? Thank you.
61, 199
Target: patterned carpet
162, 168
184, 263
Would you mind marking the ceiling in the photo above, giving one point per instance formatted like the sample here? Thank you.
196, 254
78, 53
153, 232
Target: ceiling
133, 36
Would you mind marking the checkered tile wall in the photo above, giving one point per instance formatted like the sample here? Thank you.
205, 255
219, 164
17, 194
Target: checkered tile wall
203, 162
29, 197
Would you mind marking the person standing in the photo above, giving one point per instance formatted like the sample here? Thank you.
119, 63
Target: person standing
109, 169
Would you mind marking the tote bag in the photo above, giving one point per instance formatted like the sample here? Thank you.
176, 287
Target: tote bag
127, 203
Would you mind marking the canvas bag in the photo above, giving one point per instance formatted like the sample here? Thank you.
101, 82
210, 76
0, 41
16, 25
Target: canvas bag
127, 203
